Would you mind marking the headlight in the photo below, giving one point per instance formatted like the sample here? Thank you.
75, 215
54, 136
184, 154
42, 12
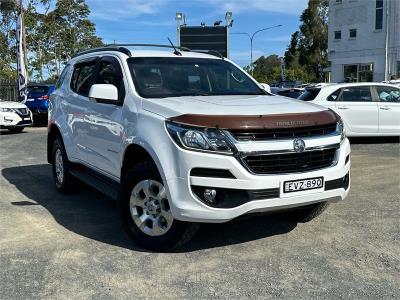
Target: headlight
340, 130
2, 109
200, 139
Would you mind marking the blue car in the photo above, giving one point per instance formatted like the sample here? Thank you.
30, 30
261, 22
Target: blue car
38, 101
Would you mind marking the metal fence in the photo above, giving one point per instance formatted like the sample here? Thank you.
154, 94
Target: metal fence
8, 90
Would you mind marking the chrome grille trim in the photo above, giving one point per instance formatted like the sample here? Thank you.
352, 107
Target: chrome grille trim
242, 156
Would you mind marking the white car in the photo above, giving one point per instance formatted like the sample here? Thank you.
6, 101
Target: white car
367, 109
14, 116
181, 138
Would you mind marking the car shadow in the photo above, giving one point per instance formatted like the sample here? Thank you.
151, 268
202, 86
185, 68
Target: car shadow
93, 215
374, 140
8, 132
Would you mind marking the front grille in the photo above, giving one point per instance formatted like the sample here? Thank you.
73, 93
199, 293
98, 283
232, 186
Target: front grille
22, 111
290, 162
282, 133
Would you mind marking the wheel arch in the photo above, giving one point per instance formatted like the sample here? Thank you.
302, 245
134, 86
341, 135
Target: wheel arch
134, 154
53, 133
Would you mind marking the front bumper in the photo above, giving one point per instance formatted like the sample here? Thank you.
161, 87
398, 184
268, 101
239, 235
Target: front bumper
12, 119
187, 207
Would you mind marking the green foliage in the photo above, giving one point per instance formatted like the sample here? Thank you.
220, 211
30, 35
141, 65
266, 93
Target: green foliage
52, 35
308, 47
266, 69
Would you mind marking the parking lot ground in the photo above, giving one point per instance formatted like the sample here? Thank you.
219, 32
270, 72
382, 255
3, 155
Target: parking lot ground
57, 246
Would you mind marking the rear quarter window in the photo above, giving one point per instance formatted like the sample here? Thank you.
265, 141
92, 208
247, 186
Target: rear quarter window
62, 77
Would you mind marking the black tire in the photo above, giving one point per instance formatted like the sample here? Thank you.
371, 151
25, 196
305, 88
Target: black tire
177, 235
307, 213
68, 181
16, 129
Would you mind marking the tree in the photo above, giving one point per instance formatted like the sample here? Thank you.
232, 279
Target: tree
53, 36
266, 69
308, 47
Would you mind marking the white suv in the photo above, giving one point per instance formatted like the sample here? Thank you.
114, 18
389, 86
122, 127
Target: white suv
180, 138
14, 116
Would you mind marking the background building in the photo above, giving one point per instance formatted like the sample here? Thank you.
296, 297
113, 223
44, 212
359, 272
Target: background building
364, 39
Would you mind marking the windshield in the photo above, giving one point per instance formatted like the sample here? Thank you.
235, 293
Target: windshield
309, 94
38, 89
159, 77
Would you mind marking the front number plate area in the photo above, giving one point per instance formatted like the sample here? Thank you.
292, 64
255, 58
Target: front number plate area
303, 185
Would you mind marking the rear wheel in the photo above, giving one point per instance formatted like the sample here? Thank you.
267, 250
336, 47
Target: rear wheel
63, 180
146, 211
16, 129
307, 213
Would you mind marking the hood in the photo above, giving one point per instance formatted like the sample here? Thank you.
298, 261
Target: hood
12, 104
228, 105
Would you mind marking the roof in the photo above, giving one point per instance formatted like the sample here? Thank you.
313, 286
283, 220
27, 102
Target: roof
138, 51
341, 85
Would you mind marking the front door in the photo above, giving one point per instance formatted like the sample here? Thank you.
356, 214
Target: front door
358, 110
389, 109
104, 121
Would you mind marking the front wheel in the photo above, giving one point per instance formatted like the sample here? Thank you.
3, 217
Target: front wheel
146, 211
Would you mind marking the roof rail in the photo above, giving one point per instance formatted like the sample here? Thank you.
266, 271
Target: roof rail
122, 48
151, 45
106, 48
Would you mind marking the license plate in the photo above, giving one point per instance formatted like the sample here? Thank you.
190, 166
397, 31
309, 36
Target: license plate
27, 119
303, 184
30, 99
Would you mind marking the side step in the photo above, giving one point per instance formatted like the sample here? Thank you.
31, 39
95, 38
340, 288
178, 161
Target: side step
98, 181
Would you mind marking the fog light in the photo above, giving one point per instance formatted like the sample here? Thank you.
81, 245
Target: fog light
209, 195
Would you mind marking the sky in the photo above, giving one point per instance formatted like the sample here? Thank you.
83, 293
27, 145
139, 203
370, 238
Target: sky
152, 21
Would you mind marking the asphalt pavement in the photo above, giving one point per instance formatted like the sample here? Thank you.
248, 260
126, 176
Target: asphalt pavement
73, 247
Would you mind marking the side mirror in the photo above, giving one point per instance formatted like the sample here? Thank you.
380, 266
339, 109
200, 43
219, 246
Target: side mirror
104, 93
266, 87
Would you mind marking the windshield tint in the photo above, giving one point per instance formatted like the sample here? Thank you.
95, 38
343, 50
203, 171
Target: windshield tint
158, 77
309, 94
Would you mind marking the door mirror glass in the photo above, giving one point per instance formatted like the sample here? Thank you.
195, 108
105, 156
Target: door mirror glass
104, 93
266, 87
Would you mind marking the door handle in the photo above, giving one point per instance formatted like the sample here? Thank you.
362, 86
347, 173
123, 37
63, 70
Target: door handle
384, 107
343, 107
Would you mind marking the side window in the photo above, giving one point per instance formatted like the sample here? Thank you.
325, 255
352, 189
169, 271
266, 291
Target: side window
334, 96
357, 94
110, 73
388, 94
62, 77
82, 78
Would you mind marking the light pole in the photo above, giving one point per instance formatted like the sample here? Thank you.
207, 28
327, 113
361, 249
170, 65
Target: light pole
251, 37
178, 18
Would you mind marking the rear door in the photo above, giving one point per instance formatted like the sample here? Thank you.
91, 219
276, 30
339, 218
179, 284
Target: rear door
358, 109
76, 106
389, 109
